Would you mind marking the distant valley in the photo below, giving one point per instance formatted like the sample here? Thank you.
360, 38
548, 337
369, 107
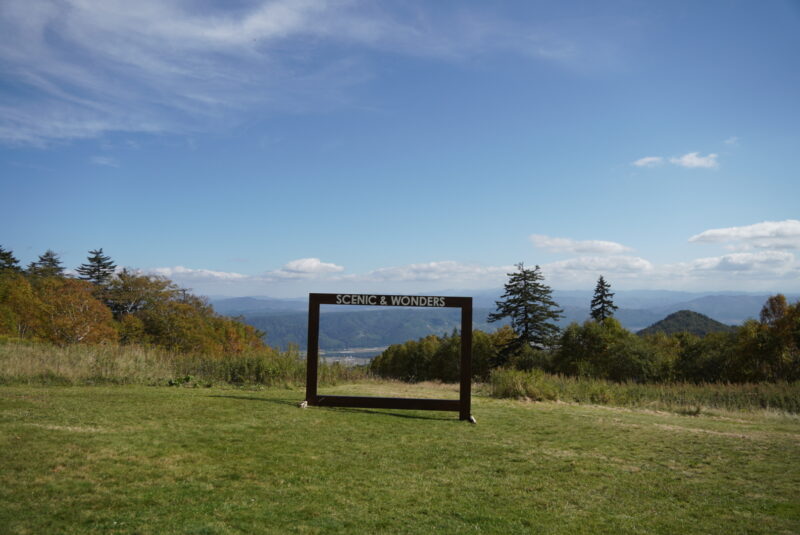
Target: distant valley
285, 320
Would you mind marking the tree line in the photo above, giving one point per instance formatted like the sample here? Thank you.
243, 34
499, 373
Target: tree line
103, 304
766, 349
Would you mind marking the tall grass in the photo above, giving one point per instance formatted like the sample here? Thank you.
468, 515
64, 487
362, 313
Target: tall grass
36, 363
44, 364
681, 397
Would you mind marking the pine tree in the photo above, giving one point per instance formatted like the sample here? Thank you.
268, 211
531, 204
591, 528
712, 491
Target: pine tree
527, 302
48, 265
8, 262
99, 268
602, 304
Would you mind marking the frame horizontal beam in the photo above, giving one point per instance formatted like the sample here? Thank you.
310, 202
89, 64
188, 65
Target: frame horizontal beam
426, 301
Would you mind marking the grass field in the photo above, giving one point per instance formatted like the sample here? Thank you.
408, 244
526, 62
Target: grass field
160, 460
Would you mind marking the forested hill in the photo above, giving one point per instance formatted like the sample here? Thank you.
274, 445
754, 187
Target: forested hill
686, 321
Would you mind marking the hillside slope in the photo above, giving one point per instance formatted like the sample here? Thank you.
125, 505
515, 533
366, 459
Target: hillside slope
686, 321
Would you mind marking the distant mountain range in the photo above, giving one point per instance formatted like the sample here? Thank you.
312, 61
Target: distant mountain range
243, 306
285, 320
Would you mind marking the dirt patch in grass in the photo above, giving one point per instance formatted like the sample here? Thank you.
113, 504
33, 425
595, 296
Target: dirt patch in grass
69, 428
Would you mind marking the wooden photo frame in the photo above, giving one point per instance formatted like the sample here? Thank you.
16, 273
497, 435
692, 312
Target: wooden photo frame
461, 405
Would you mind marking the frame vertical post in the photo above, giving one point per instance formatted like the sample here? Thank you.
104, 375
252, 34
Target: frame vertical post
465, 393
312, 351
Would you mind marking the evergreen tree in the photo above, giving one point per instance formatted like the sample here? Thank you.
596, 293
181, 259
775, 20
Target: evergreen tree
99, 268
602, 303
8, 262
527, 302
48, 265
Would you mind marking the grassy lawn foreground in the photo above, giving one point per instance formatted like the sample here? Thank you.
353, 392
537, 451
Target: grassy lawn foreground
156, 460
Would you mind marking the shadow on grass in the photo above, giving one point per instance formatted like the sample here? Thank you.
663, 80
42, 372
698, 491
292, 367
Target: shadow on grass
265, 400
396, 414
345, 409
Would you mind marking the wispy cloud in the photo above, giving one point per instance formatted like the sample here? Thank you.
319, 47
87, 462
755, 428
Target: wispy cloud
83, 68
765, 235
567, 245
691, 160
694, 160
649, 161
733, 140
104, 161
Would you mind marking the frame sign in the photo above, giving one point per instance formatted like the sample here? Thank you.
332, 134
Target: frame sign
461, 405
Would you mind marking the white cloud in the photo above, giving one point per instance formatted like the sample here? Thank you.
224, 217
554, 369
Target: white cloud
567, 245
605, 264
765, 261
104, 161
649, 161
733, 140
304, 268
184, 273
311, 266
694, 160
765, 235
447, 270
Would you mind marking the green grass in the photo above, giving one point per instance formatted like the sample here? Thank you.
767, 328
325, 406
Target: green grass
158, 460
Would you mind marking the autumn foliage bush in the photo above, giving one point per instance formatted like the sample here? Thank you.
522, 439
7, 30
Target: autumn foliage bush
131, 308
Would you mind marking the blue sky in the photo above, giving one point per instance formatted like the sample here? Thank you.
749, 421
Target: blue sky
281, 147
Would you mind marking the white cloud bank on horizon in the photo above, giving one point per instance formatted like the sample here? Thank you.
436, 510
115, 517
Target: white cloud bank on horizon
770, 269
764, 270
765, 235
311, 274
568, 245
